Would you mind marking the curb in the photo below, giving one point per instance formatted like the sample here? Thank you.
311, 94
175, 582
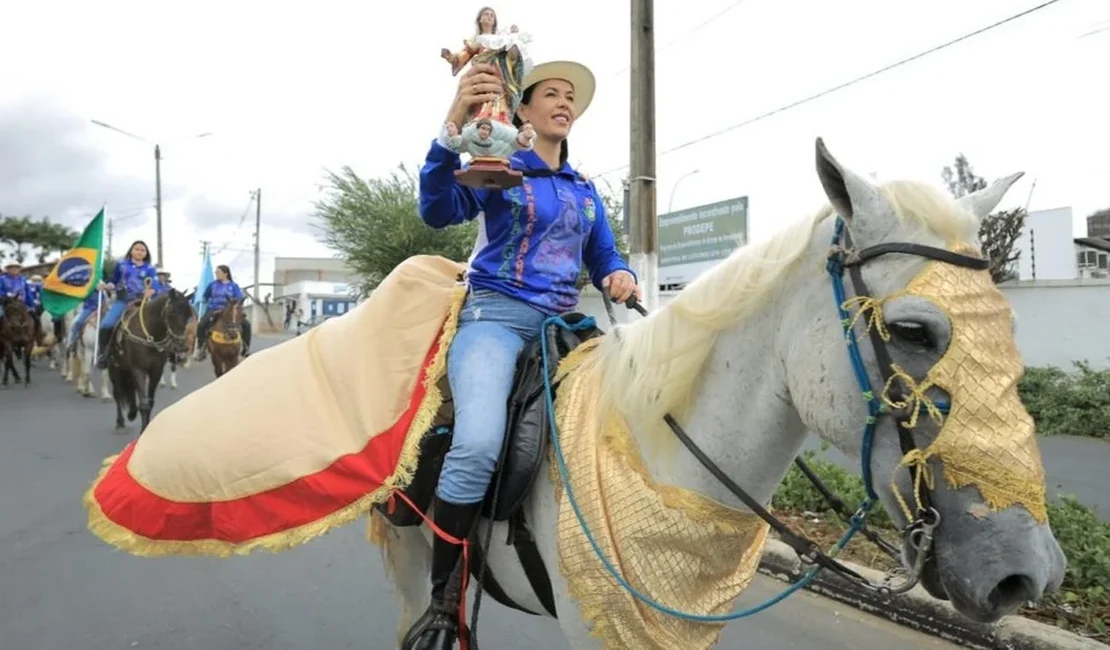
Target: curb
920, 611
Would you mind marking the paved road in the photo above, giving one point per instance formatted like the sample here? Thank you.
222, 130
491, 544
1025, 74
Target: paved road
62, 589
1073, 465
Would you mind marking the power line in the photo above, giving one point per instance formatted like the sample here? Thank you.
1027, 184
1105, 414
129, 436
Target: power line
242, 220
841, 86
686, 34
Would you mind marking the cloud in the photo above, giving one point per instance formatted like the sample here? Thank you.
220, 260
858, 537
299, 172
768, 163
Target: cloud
208, 211
52, 167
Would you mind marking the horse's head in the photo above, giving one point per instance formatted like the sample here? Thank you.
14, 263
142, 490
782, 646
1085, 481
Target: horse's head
936, 346
16, 311
231, 318
178, 311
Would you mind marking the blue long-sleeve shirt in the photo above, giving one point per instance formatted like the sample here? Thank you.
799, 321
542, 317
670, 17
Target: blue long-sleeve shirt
33, 293
14, 286
534, 238
218, 293
128, 278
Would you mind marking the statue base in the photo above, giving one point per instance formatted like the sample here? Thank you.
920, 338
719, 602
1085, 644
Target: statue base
488, 173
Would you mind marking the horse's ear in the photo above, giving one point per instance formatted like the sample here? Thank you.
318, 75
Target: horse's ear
981, 202
850, 194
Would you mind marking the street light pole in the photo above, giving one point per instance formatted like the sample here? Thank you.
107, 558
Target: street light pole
670, 203
157, 178
158, 199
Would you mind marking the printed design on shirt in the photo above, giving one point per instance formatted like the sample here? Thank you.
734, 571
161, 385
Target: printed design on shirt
589, 210
526, 236
515, 198
559, 251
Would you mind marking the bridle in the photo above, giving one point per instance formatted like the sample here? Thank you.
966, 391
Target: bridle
172, 340
918, 533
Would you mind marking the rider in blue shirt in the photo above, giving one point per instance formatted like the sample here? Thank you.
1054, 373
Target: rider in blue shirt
128, 282
533, 242
164, 280
216, 296
13, 285
34, 303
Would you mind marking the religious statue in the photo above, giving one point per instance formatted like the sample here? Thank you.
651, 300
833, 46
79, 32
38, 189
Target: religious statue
488, 134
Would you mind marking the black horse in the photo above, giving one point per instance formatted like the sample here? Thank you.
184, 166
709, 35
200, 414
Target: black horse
148, 333
17, 338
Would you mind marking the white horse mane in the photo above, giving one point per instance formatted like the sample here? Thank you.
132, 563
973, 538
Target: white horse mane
653, 368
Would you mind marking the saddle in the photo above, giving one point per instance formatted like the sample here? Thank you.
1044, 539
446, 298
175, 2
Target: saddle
523, 450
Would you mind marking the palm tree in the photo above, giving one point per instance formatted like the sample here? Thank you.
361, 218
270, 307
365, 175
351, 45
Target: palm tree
18, 232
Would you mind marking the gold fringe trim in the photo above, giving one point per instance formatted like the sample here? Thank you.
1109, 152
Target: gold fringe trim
126, 540
712, 521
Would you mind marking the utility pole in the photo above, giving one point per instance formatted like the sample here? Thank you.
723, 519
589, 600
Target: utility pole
643, 222
111, 221
158, 197
257, 256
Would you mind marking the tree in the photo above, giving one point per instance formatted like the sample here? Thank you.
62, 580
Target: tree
999, 231
375, 224
47, 237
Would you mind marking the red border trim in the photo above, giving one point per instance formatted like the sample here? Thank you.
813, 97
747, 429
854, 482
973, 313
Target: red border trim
127, 503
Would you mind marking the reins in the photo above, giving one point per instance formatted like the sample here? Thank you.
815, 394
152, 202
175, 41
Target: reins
147, 338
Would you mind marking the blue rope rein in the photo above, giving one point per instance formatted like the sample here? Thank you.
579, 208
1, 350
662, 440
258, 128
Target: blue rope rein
560, 461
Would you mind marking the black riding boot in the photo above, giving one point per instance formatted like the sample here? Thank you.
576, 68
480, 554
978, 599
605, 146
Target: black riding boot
438, 628
104, 339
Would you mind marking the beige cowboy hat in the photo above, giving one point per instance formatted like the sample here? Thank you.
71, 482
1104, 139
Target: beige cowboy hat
12, 263
36, 278
576, 74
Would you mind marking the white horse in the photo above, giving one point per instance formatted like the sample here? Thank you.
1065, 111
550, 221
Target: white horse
53, 342
755, 351
82, 362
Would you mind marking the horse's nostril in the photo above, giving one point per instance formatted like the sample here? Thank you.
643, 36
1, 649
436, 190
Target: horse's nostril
1013, 590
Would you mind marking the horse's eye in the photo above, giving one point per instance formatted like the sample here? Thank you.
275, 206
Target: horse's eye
913, 333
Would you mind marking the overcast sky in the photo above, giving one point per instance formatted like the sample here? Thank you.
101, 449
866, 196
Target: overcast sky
289, 89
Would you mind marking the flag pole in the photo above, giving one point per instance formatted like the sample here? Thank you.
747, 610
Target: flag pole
99, 293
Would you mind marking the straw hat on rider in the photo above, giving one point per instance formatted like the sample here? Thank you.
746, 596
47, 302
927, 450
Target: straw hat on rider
12, 264
576, 74
36, 278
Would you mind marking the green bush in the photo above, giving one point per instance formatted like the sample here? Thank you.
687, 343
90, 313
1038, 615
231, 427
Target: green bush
1084, 539
797, 494
1076, 404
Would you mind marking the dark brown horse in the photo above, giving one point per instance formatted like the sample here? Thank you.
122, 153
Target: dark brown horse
225, 339
17, 337
149, 332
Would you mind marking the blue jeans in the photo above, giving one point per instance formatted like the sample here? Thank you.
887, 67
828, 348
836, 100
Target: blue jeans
481, 365
115, 310
78, 323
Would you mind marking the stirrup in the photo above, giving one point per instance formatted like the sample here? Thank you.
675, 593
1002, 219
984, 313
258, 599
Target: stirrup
434, 630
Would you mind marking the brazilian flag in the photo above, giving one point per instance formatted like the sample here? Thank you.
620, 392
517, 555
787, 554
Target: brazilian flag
77, 273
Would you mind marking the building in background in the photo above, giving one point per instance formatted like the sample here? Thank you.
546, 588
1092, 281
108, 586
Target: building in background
316, 286
1098, 224
1092, 256
1047, 246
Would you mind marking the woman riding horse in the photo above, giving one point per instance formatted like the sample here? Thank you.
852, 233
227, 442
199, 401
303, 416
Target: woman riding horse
128, 282
15, 286
510, 296
216, 296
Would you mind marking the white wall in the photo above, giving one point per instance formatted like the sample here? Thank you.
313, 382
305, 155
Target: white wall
1048, 241
1058, 321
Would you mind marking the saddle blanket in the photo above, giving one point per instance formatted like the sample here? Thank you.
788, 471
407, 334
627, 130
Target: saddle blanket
298, 439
